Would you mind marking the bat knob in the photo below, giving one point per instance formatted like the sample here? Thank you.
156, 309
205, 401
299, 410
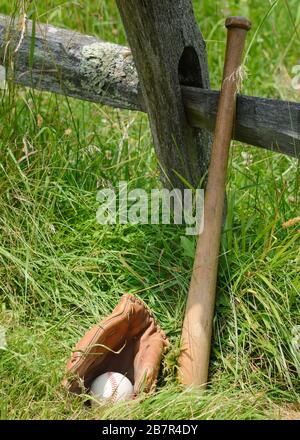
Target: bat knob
238, 22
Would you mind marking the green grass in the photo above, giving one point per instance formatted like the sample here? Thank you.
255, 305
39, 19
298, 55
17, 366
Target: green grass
61, 272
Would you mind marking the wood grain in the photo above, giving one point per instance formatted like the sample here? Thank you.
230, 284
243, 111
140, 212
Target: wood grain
197, 324
168, 50
266, 123
84, 67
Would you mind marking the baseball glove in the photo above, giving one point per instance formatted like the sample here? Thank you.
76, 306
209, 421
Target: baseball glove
129, 341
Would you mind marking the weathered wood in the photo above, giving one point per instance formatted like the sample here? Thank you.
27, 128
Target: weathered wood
267, 123
70, 63
168, 50
84, 67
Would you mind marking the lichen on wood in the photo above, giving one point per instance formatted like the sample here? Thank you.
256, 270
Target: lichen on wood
70, 63
108, 70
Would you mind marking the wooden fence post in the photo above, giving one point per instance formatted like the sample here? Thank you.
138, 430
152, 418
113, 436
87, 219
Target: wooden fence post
85, 67
169, 51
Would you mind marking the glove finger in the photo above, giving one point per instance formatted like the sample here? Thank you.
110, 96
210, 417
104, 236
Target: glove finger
147, 361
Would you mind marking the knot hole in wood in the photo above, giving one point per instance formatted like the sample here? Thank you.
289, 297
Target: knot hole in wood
189, 70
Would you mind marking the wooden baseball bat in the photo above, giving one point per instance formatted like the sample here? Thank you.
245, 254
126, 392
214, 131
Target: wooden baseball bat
197, 325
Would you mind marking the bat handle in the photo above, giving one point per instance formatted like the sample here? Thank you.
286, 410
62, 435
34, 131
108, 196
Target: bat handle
197, 325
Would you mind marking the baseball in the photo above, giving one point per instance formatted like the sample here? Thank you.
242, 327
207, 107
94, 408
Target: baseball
112, 386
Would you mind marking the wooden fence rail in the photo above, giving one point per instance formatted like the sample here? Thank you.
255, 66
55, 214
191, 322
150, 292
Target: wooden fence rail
84, 67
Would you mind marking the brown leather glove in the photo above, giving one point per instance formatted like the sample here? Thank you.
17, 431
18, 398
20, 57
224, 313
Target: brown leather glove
129, 341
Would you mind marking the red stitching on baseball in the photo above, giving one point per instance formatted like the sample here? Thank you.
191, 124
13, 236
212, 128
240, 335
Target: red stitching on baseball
113, 384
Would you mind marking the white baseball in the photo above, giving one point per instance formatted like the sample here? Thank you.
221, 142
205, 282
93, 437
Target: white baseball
113, 386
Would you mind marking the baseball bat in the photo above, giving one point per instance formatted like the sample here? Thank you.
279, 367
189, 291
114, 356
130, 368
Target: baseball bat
197, 325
